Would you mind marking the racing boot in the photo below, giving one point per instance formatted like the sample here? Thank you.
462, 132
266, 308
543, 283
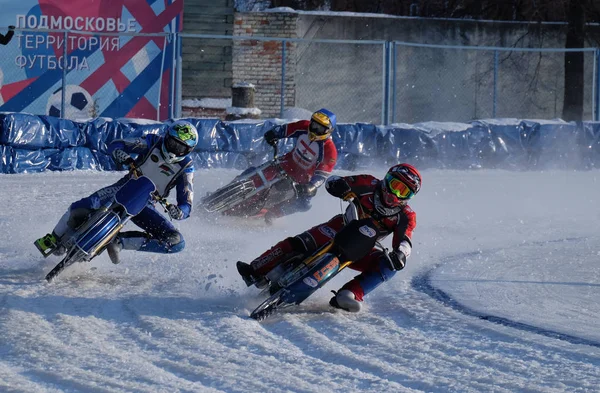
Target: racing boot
47, 244
250, 276
345, 300
113, 249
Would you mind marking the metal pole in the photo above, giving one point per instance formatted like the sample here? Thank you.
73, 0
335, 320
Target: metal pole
596, 86
160, 75
385, 100
64, 78
172, 79
179, 79
172, 76
394, 74
495, 104
283, 54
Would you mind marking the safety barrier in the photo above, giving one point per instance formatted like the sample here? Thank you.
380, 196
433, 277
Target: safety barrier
30, 143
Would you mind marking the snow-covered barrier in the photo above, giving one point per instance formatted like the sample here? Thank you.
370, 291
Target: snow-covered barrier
30, 143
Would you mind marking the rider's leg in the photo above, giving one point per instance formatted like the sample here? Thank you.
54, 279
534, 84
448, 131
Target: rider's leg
160, 234
374, 270
66, 226
304, 243
293, 204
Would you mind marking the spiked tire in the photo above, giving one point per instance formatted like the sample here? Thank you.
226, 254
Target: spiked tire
72, 257
228, 196
268, 307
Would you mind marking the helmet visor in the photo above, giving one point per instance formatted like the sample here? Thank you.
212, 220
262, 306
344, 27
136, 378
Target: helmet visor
398, 187
177, 147
318, 129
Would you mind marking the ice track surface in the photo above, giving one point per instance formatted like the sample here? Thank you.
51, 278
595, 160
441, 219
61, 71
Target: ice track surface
501, 295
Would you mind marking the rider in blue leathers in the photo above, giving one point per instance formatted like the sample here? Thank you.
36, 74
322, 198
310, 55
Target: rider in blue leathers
166, 161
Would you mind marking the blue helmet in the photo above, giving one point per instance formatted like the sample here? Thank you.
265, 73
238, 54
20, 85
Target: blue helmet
181, 138
322, 123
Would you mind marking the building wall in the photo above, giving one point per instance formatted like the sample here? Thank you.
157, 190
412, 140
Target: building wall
259, 62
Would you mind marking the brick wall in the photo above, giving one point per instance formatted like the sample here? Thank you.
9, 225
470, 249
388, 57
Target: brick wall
259, 62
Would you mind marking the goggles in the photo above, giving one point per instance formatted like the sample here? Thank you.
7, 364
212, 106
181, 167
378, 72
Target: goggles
398, 187
318, 129
177, 147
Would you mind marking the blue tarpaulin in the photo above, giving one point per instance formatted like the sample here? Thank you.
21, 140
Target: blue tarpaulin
30, 143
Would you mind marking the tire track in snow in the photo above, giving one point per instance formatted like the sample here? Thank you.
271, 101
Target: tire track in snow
423, 283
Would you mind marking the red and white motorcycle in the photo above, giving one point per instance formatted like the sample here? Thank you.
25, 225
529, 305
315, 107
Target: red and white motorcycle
253, 191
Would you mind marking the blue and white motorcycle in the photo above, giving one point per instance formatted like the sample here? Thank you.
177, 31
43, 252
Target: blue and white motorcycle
102, 226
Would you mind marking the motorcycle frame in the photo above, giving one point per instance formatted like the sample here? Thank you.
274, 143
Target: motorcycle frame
260, 171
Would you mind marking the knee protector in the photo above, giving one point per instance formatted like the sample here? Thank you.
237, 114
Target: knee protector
173, 238
77, 216
177, 247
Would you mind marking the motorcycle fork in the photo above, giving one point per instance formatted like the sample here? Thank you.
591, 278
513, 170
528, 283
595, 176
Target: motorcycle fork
104, 242
107, 239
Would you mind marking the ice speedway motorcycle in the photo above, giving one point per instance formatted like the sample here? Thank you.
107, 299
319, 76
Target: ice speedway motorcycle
252, 191
102, 226
294, 280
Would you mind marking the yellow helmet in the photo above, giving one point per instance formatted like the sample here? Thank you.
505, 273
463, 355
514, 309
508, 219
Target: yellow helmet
322, 123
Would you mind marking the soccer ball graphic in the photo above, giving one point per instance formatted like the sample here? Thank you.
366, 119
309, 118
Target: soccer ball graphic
78, 103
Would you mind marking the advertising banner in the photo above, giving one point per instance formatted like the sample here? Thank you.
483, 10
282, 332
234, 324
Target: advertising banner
112, 58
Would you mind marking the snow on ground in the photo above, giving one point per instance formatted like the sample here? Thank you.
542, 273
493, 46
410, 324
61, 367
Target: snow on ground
500, 295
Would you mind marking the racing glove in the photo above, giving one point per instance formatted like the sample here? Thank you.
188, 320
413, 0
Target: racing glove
121, 157
175, 212
306, 190
271, 137
397, 260
337, 187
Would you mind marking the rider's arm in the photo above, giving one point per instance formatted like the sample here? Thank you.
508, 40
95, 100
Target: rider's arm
337, 186
295, 129
326, 165
358, 185
185, 191
131, 145
401, 241
282, 131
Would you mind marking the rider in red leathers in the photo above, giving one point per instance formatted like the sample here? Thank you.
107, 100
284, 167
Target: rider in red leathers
309, 164
384, 200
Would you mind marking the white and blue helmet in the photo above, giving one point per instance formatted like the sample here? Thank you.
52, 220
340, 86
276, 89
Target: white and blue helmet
181, 138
